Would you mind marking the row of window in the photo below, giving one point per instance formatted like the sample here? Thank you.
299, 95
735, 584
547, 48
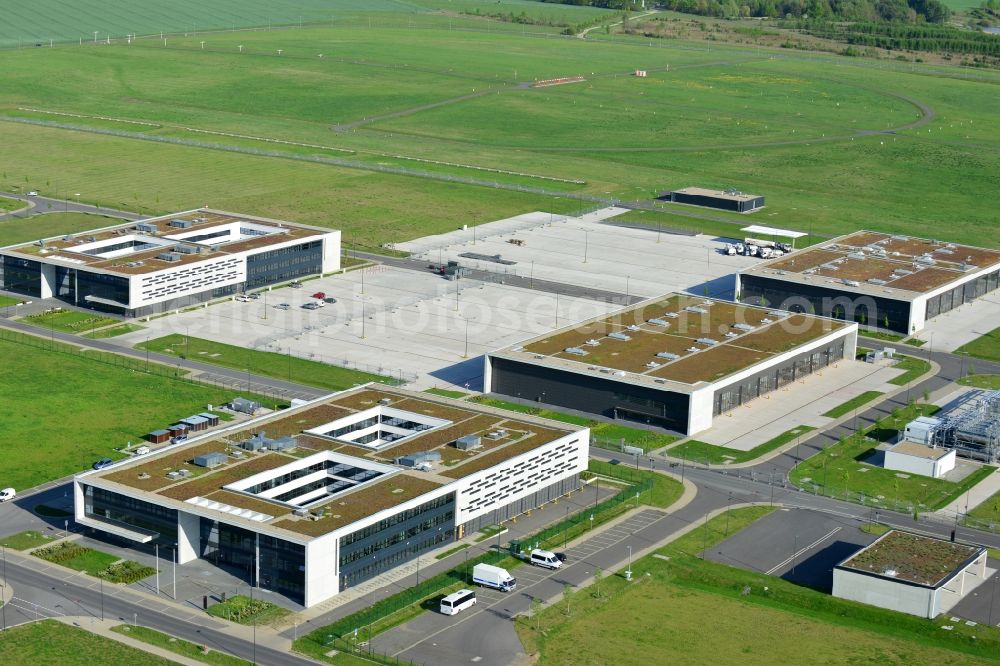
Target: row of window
396, 519
392, 560
953, 298
398, 537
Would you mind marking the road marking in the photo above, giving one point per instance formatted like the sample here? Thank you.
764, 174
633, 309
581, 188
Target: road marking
802, 550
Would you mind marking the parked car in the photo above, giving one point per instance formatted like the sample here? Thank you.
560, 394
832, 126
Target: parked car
242, 298
560, 556
103, 462
310, 306
32, 193
544, 558
295, 285
329, 299
283, 306
7, 494
319, 295
254, 296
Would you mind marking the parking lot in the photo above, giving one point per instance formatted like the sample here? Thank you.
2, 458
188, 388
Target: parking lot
584, 251
387, 320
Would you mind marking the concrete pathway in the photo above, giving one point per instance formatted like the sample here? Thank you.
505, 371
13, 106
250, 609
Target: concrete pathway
962, 325
975, 496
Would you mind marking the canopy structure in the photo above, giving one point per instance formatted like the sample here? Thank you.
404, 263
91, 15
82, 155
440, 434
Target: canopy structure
774, 231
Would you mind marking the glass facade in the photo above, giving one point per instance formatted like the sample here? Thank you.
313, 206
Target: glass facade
734, 395
388, 543
23, 276
282, 563
284, 264
953, 298
101, 504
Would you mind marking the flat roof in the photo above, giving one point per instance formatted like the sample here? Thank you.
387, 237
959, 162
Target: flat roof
676, 338
913, 558
877, 264
920, 450
773, 231
731, 195
503, 436
135, 248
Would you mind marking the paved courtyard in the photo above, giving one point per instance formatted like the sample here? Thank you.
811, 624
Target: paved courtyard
387, 320
964, 324
801, 403
582, 251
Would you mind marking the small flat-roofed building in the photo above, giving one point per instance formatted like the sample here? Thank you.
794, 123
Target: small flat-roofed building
338, 511
920, 459
911, 573
722, 199
158, 436
676, 361
891, 282
165, 263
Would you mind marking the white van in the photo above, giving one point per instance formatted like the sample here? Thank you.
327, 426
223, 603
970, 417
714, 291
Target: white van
458, 601
544, 558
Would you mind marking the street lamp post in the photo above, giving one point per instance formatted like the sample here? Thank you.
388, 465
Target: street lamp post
628, 572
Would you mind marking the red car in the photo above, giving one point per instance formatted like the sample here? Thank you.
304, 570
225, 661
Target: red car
319, 295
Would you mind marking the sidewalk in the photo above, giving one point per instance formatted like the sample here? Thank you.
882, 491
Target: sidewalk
972, 498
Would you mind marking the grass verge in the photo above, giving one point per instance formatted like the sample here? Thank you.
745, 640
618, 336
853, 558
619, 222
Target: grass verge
113, 331
445, 393
991, 382
178, 646
52, 642
881, 335
719, 455
852, 404
26, 540
912, 368
451, 551
243, 610
268, 364
986, 346
68, 321
79, 558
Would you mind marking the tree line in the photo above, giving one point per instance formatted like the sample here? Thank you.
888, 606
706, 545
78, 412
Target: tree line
901, 11
897, 37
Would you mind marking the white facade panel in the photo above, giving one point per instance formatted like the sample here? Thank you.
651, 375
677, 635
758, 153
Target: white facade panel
891, 594
322, 575
918, 307
193, 278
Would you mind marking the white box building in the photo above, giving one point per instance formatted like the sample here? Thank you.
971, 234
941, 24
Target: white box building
920, 459
911, 574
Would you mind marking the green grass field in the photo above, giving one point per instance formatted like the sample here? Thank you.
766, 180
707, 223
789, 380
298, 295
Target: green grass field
7, 205
178, 646
51, 642
728, 116
985, 347
719, 455
6, 301
87, 408
912, 368
854, 403
988, 510
243, 610
25, 540
26, 230
113, 331
981, 381
269, 364
69, 321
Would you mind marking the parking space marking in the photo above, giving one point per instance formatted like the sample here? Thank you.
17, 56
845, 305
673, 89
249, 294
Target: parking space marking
799, 553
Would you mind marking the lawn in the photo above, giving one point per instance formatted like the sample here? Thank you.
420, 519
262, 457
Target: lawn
988, 511
243, 610
113, 331
86, 407
603, 434
51, 642
447, 393
986, 346
268, 364
68, 321
30, 229
178, 646
25, 540
6, 301
7, 205
78, 558
912, 368
852, 404
714, 113
991, 382
659, 617
719, 455
841, 471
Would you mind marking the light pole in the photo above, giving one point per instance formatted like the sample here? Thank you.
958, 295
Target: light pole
3, 603
156, 551
628, 572
586, 244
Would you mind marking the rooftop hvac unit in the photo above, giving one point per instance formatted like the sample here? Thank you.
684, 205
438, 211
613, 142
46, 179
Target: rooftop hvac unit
693, 349
187, 249
593, 343
730, 334
944, 250
575, 351
145, 228
672, 315
857, 255
743, 327
966, 267
169, 256
499, 433
615, 335
301, 513
877, 281
707, 341
695, 309
419, 458
925, 259
385, 401
778, 313
181, 224
902, 271
469, 442
668, 355
851, 283
634, 328
210, 460
657, 322
652, 365
765, 320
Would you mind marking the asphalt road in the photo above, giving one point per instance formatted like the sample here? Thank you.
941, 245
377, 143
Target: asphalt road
45, 204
